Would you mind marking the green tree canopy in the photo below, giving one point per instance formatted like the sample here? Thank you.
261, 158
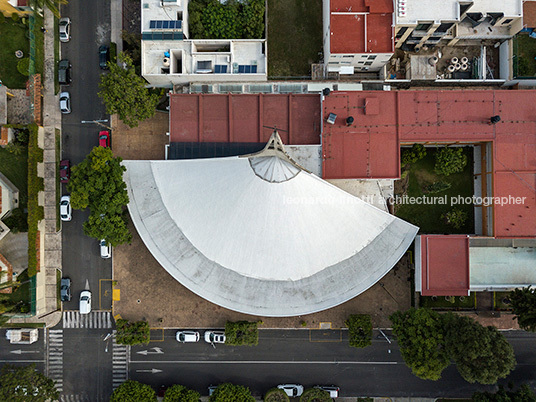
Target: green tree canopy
420, 336
450, 160
413, 154
359, 330
179, 393
132, 333
315, 395
481, 354
231, 393
97, 183
133, 391
523, 394
276, 395
524, 305
242, 333
24, 384
125, 93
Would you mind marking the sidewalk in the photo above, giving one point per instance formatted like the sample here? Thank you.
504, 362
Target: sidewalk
46, 289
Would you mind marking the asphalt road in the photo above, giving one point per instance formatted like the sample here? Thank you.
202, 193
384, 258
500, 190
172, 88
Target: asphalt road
87, 364
23, 354
90, 27
308, 358
87, 368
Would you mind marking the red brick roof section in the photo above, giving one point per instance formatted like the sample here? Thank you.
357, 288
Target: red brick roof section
445, 265
361, 26
242, 118
369, 147
529, 14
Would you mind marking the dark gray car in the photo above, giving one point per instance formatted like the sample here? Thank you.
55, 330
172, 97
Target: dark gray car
65, 289
64, 72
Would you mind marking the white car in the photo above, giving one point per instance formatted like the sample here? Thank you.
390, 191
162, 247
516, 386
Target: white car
66, 212
65, 102
292, 390
187, 336
332, 389
214, 337
65, 29
105, 249
85, 302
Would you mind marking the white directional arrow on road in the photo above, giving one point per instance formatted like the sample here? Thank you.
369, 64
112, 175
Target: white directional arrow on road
157, 351
19, 352
152, 371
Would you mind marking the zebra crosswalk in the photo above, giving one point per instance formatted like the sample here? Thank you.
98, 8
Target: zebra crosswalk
120, 360
74, 398
55, 357
95, 319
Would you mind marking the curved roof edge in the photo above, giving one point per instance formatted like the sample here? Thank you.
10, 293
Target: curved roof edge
326, 289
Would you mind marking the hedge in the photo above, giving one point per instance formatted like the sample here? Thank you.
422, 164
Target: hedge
360, 330
241, 333
315, 395
132, 333
35, 185
276, 395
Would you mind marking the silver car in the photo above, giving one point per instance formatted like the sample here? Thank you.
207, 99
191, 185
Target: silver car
292, 390
214, 337
65, 102
85, 302
187, 336
65, 29
66, 212
332, 389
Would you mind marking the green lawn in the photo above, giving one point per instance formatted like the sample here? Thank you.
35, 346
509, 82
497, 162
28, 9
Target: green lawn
56, 56
15, 168
525, 51
39, 45
23, 292
428, 217
12, 38
294, 36
439, 302
499, 301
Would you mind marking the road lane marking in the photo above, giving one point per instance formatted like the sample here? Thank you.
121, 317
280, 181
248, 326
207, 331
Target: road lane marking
22, 361
254, 362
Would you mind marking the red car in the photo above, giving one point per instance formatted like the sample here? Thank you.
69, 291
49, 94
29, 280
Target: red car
104, 139
65, 171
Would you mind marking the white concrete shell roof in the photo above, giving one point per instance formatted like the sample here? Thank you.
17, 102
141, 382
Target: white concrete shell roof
259, 235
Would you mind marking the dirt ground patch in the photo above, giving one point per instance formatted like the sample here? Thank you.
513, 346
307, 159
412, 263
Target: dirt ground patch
147, 141
149, 292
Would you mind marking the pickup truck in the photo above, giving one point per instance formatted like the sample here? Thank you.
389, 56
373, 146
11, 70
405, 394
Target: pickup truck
22, 336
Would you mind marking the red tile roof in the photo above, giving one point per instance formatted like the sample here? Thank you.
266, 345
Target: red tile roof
361, 26
370, 147
241, 118
529, 14
445, 265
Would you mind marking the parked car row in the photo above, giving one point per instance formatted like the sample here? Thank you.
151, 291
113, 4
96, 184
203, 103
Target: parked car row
294, 390
85, 296
211, 337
